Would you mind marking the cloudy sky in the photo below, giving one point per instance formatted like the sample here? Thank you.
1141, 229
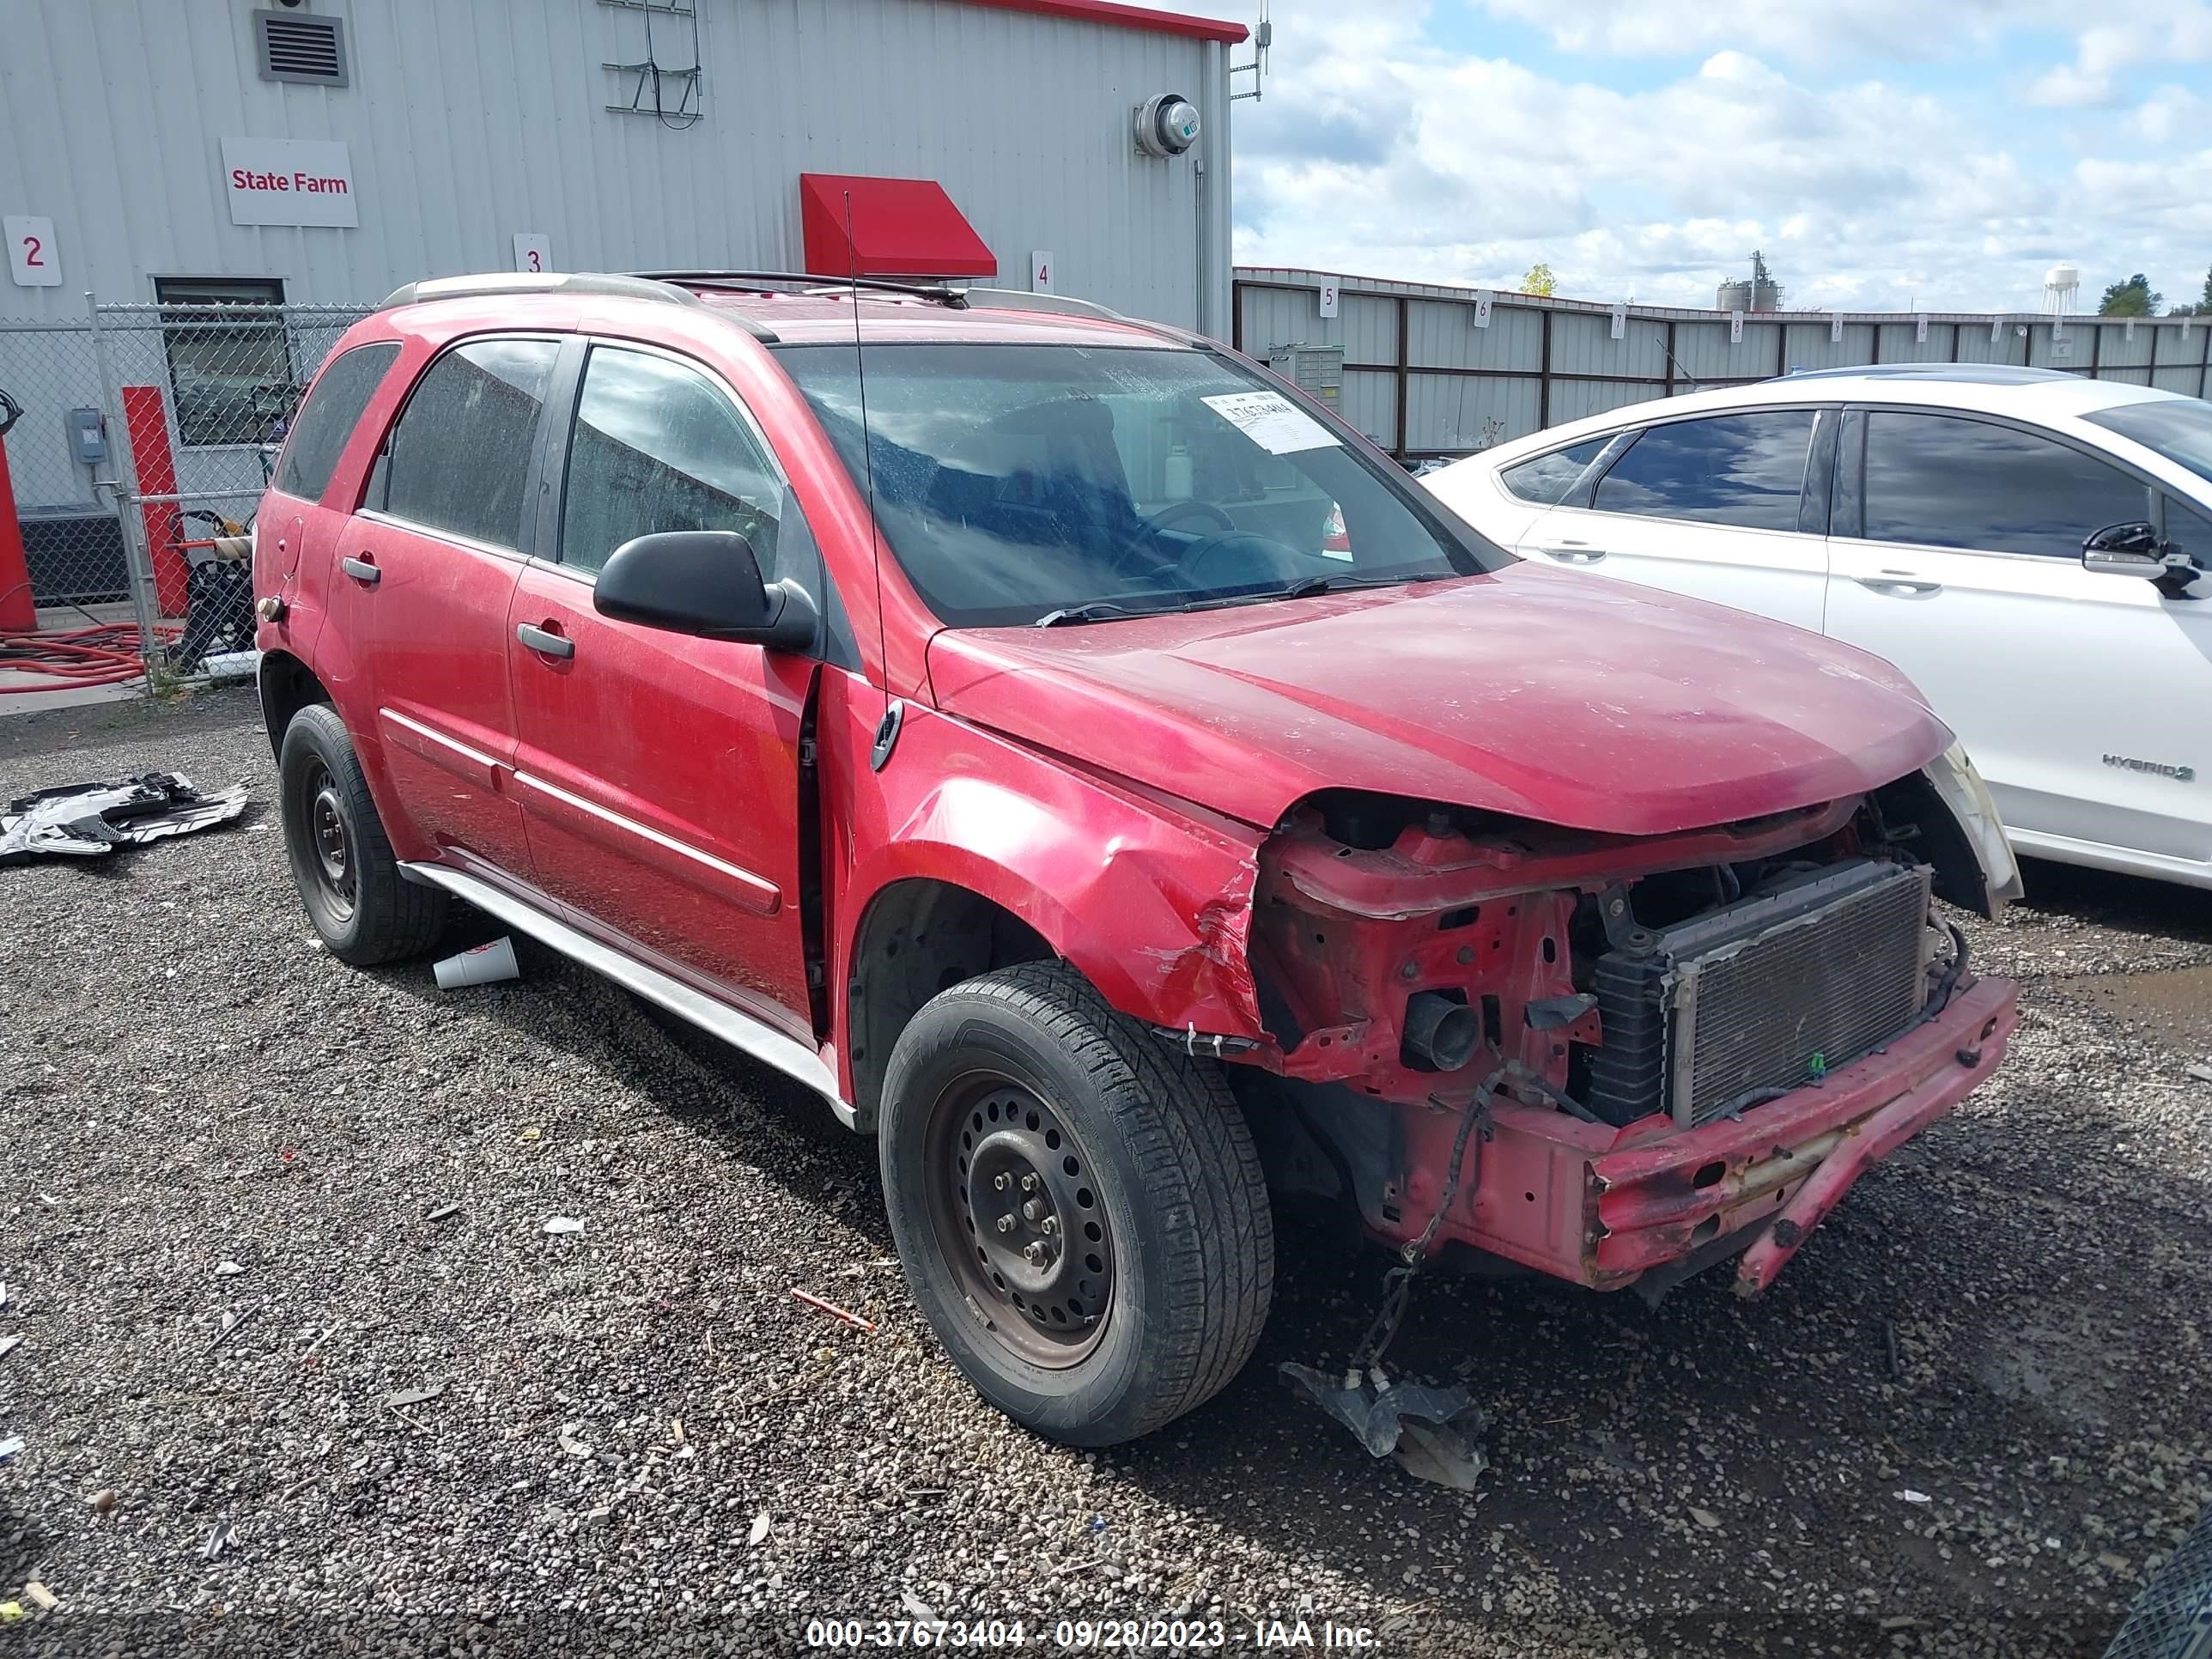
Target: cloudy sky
1885, 154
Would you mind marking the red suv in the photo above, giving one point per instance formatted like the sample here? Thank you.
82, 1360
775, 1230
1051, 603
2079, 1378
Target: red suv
1104, 778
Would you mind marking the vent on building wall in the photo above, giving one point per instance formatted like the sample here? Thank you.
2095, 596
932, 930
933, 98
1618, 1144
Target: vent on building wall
301, 45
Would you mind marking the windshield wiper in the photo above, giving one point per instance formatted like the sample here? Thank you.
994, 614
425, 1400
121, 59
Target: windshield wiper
1304, 586
1096, 610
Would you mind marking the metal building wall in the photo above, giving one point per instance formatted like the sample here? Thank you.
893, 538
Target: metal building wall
469, 120
1421, 378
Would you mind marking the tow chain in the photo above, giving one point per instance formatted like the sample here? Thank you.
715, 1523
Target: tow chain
1398, 1283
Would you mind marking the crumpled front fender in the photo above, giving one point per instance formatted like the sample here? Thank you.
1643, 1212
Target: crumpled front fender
1151, 904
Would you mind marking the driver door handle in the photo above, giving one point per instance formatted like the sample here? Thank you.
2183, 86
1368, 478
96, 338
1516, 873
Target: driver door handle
546, 644
1897, 583
1573, 553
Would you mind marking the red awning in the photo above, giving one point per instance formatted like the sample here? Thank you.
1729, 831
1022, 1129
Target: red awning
901, 227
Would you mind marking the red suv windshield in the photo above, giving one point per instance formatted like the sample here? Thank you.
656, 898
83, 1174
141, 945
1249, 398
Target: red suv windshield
1022, 483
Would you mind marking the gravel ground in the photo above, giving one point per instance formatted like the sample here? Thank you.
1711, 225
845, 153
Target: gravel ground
1973, 1414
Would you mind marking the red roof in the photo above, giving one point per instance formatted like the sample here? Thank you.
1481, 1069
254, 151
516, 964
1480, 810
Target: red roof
900, 227
1126, 17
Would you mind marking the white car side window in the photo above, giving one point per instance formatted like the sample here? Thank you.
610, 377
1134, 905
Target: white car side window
1949, 481
1744, 469
1545, 480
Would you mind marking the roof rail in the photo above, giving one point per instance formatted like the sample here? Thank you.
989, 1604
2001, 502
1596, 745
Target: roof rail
769, 282
534, 282
1015, 299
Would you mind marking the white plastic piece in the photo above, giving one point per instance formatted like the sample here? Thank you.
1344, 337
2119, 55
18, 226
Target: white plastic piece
487, 965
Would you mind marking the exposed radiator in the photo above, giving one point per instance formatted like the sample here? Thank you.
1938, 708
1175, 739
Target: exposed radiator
1769, 992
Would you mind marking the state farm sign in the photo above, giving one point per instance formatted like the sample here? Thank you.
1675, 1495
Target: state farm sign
289, 181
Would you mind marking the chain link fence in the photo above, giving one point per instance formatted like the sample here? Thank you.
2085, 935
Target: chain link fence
72, 540
147, 436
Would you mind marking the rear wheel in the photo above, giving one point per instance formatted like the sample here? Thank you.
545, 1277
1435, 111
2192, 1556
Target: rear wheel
364, 910
1078, 1206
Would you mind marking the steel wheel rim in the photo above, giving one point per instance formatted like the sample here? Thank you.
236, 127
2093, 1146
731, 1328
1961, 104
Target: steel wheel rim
326, 832
1042, 1287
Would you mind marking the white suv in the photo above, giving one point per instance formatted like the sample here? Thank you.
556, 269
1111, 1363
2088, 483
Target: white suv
2029, 546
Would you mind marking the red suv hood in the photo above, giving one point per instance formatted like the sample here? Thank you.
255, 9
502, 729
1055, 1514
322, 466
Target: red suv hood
1539, 693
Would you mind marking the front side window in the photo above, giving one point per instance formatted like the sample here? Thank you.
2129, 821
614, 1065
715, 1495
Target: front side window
1545, 479
2179, 428
230, 362
327, 418
2190, 531
1948, 480
459, 458
1016, 482
1743, 470
657, 447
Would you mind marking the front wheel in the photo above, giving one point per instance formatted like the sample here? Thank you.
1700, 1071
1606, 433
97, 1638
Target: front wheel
1079, 1206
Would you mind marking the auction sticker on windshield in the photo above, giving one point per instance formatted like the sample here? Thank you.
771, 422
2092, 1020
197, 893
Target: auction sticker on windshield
1271, 421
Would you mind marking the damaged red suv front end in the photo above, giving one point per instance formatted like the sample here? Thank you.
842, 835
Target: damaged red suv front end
1629, 1128
1669, 946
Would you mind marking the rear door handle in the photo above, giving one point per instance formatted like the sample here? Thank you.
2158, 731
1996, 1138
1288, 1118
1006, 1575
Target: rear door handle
361, 570
1896, 584
1573, 555
545, 643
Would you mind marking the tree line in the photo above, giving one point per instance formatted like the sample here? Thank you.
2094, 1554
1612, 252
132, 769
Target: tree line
2135, 297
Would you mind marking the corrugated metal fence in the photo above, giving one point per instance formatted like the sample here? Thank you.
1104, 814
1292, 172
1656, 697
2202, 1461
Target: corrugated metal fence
1430, 372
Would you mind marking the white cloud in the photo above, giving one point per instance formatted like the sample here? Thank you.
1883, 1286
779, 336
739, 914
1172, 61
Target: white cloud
1815, 30
2170, 113
2152, 32
1377, 152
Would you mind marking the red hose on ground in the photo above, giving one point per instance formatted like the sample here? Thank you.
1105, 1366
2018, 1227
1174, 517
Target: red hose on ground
71, 658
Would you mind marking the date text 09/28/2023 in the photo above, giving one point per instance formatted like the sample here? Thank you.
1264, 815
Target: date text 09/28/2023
1100, 1635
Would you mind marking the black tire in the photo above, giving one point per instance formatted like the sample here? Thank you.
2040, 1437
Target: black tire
1027, 1070
365, 911
2172, 1619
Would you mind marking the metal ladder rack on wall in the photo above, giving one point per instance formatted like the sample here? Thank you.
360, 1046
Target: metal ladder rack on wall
672, 93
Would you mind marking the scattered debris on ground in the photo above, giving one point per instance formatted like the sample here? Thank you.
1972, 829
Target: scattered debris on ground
480, 964
90, 820
1430, 1432
867, 1326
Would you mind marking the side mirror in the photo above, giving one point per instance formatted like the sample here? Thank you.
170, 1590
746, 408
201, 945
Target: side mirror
705, 582
2126, 550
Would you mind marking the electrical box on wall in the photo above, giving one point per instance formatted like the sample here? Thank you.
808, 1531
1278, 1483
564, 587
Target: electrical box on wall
1317, 371
87, 436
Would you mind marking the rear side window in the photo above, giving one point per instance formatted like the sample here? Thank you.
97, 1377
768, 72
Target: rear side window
458, 458
1744, 469
1546, 479
658, 447
326, 419
1946, 481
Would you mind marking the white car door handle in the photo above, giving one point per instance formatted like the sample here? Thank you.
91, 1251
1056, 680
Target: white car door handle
1573, 555
1898, 585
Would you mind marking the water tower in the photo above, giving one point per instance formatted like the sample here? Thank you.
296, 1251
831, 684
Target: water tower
2061, 284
